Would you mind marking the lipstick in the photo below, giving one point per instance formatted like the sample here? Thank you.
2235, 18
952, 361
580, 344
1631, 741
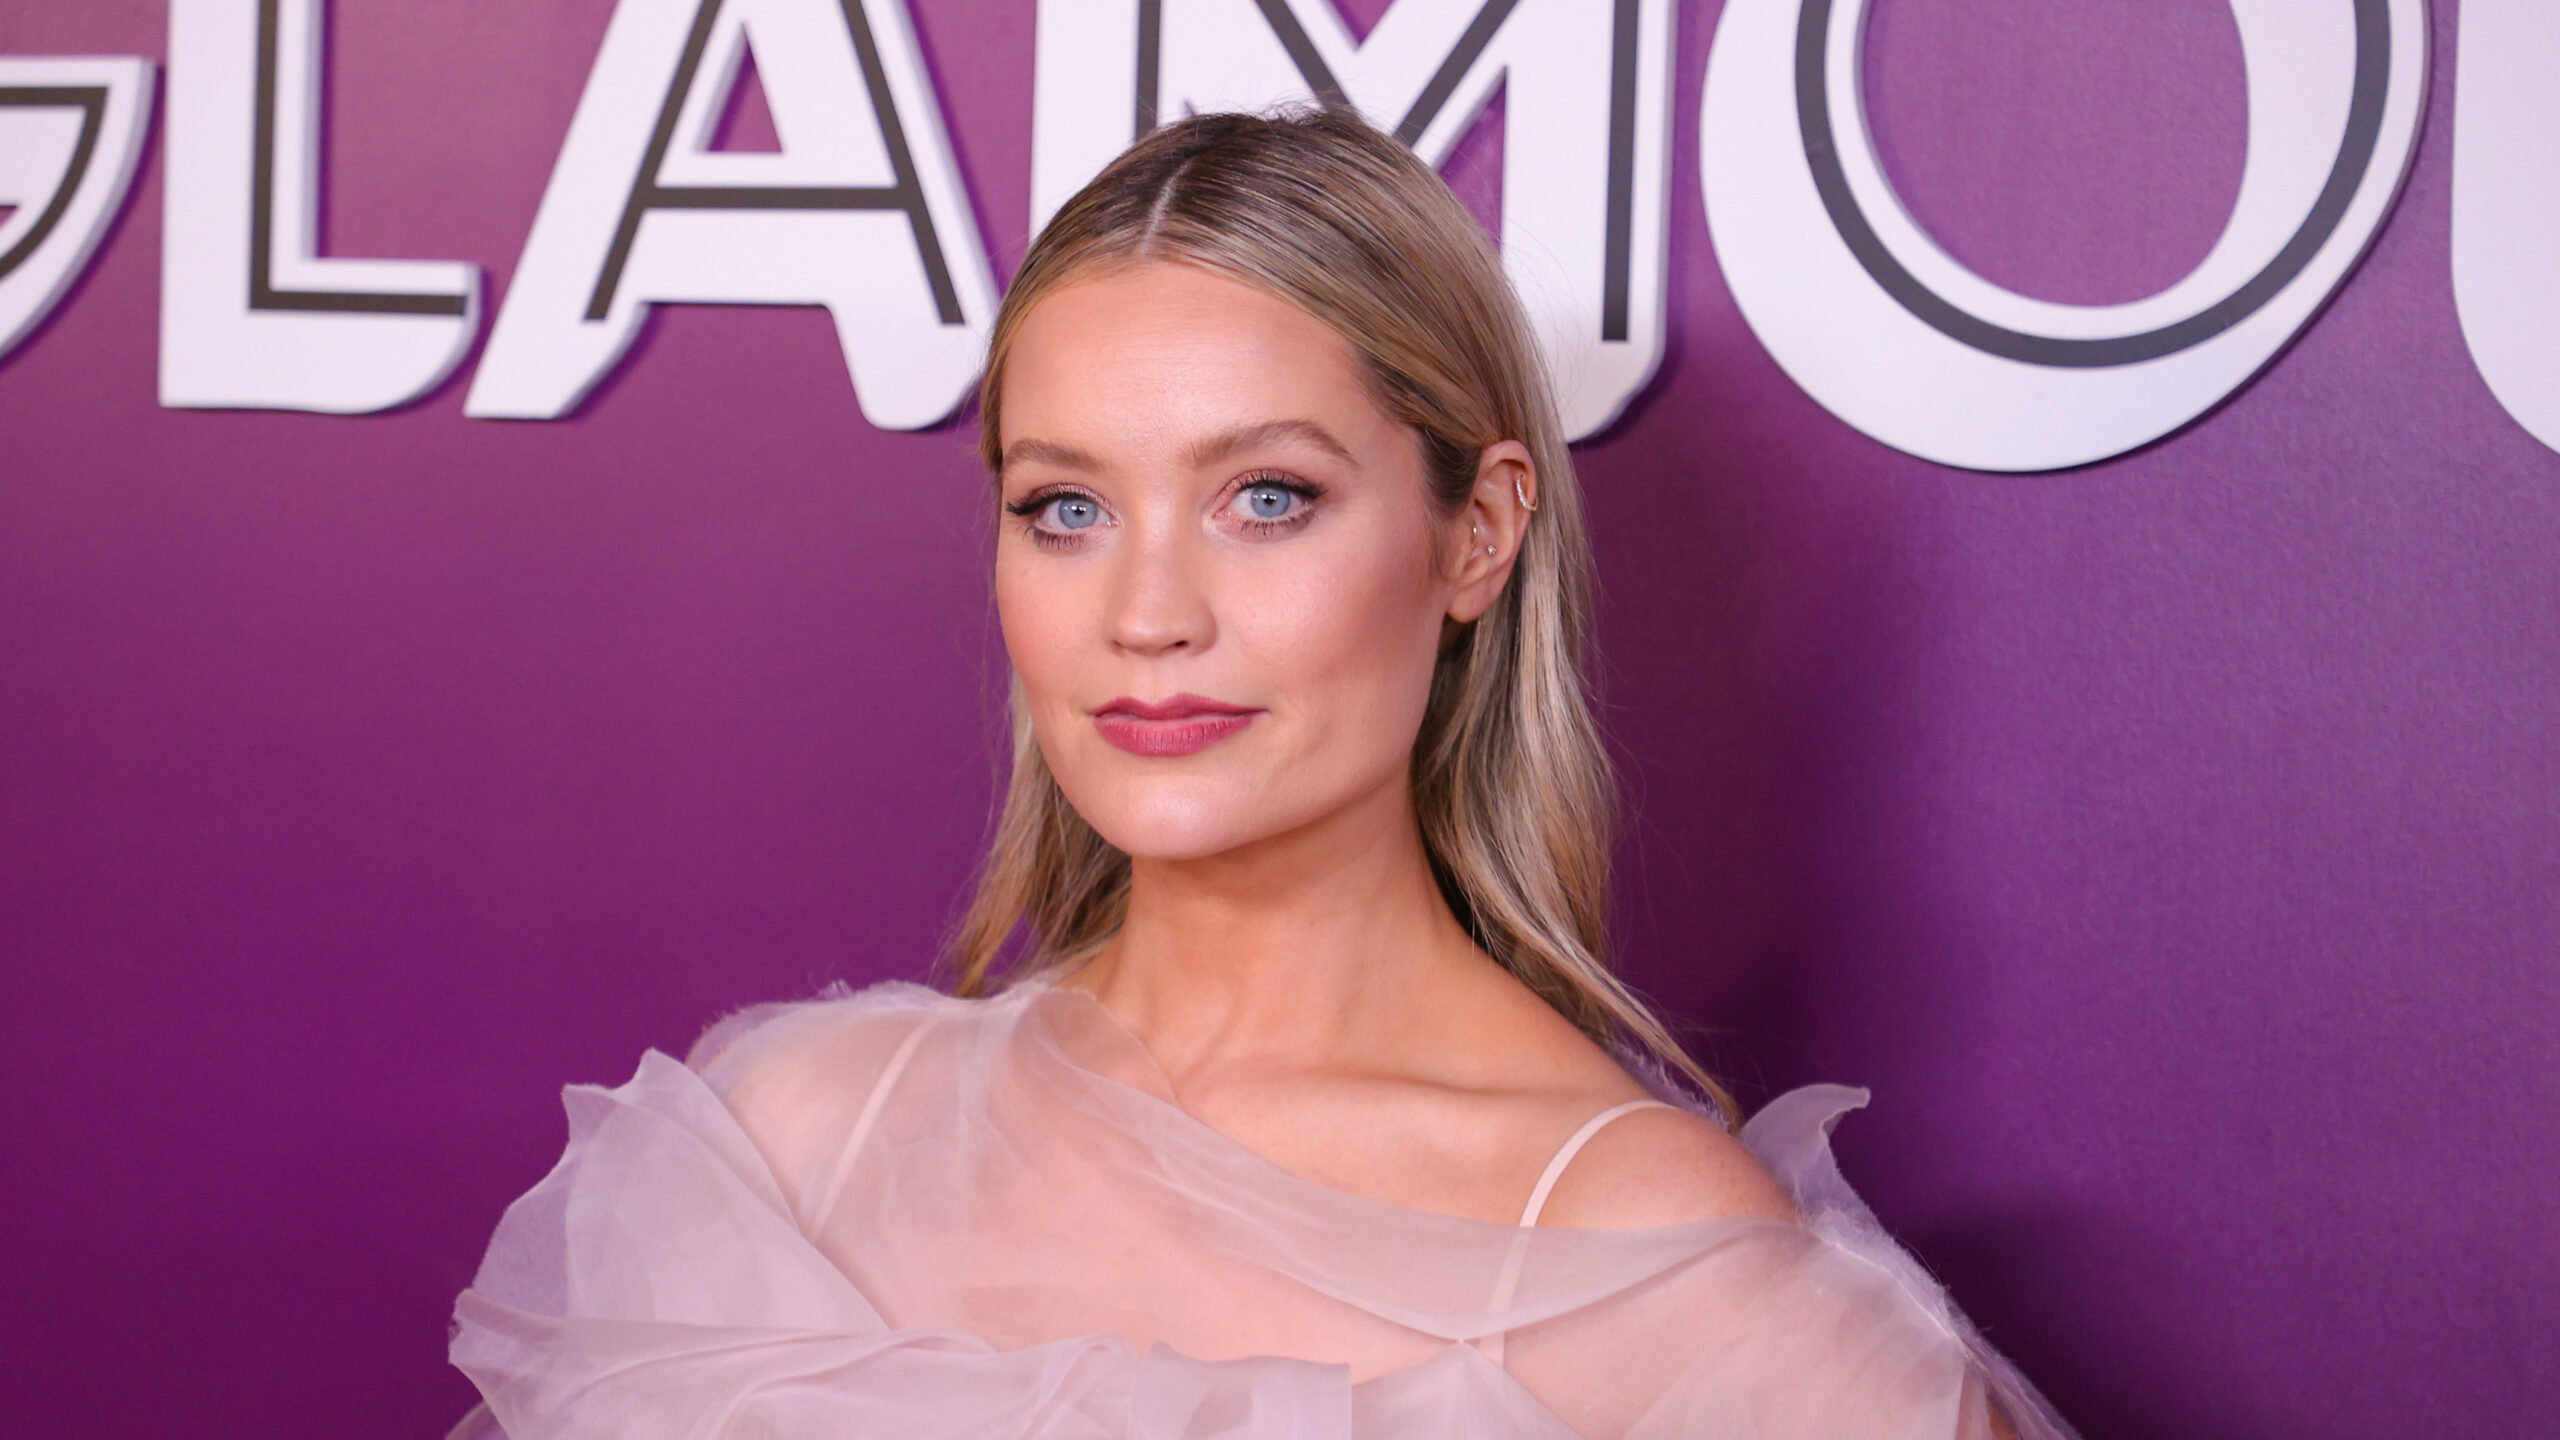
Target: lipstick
1176, 725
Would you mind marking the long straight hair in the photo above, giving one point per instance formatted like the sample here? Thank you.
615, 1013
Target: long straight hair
1511, 786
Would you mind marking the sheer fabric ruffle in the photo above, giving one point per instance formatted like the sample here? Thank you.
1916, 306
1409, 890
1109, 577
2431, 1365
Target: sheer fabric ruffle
897, 1215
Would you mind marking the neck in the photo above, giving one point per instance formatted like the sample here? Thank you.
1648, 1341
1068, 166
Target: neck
1294, 951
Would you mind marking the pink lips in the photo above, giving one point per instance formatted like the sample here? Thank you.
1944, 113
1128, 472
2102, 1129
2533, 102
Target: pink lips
1176, 725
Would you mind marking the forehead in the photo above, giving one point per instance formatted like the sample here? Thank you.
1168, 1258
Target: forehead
1153, 357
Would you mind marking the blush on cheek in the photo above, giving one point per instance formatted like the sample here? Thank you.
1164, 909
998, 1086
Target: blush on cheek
1038, 625
1358, 648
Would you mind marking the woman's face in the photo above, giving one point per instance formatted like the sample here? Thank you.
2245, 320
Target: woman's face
1221, 578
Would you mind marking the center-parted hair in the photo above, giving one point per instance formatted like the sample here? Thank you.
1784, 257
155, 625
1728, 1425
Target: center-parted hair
1517, 805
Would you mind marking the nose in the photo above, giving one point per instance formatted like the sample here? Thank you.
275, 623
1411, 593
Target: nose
1159, 606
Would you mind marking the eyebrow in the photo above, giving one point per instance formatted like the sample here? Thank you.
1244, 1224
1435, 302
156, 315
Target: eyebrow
1270, 432
1200, 455
1050, 452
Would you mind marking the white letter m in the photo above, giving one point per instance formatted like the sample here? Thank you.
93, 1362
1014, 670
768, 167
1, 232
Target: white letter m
1585, 167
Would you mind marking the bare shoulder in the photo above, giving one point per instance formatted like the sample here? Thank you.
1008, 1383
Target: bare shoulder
1652, 1166
1659, 1166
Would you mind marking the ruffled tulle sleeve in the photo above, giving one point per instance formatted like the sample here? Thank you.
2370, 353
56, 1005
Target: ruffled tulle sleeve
1792, 1137
657, 1286
1826, 1328
823, 1227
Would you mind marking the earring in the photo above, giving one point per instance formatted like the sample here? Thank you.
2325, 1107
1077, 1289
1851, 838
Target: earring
1522, 496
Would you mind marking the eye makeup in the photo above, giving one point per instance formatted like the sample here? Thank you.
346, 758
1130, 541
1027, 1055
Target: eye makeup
1057, 516
1250, 489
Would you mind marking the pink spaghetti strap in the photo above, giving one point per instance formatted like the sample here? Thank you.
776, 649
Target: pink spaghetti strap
1509, 1282
1571, 1147
842, 1172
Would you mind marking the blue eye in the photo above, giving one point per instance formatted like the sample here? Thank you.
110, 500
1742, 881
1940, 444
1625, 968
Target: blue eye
1073, 512
1268, 502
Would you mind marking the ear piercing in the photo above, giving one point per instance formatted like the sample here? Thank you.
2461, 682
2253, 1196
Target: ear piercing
1520, 493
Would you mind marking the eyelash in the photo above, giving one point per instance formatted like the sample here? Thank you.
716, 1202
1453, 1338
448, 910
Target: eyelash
1028, 508
1307, 495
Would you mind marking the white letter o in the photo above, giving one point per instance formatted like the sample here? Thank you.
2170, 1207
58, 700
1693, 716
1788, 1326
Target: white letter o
1896, 337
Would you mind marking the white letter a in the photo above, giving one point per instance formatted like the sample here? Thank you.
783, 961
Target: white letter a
862, 210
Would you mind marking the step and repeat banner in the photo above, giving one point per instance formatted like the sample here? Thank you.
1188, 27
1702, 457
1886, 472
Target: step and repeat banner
859, 205
492, 575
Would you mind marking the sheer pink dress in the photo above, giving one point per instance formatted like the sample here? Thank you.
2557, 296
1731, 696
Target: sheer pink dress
985, 1219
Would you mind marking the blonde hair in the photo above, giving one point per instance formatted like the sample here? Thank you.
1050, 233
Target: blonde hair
1517, 805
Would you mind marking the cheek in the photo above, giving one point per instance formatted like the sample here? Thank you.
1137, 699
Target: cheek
1352, 646
1039, 615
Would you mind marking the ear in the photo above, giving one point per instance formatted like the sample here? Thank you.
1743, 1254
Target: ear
1491, 528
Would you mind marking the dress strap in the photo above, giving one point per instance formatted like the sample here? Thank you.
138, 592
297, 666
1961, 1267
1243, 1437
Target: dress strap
1509, 1282
1571, 1147
842, 1172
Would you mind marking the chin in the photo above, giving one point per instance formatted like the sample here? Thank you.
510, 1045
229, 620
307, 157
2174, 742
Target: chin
1173, 820
1176, 832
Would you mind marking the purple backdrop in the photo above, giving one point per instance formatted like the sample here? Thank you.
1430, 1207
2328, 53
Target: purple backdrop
2172, 844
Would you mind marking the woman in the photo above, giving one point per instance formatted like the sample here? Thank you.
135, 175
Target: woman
1311, 1108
